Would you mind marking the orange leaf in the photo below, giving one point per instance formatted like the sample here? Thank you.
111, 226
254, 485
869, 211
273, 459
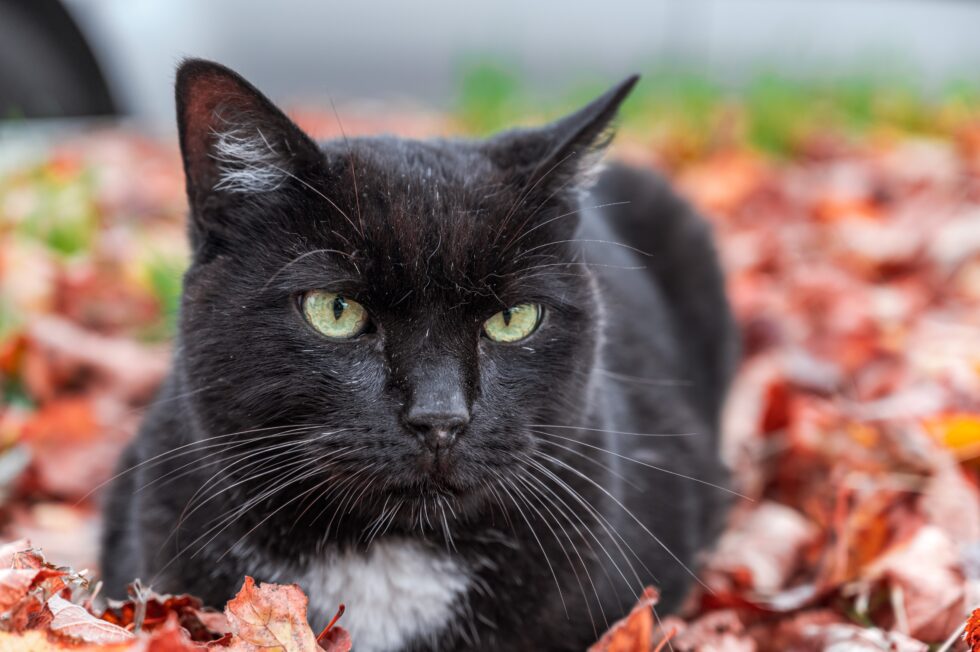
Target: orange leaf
171, 637
270, 617
960, 432
333, 638
972, 633
66, 420
633, 633
14, 585
39, 641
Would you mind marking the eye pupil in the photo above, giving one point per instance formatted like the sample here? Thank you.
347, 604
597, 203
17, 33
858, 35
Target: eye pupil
506, 314
339, 305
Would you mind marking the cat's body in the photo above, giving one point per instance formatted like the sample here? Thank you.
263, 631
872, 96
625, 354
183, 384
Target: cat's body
492, 544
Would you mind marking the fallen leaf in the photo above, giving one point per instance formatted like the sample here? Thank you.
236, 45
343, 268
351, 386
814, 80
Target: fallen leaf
851, 638
270, 616
73, 622
171, 637
14, 585
763, 549
39, 641
719, 631
926, 585
147, 611
334, 638
130, 370
634, 633
9, 550
971, 635
960, 432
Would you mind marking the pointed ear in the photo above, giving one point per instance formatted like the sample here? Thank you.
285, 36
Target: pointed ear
232, 138
565, 152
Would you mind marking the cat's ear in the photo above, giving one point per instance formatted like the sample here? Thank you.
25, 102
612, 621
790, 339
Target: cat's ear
564, 153
232, 138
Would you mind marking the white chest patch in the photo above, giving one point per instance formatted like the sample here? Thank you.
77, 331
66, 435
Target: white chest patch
395, 592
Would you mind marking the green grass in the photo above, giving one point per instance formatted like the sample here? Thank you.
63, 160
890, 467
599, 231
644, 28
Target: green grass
774, 113
490, 96
164, 274
64, 216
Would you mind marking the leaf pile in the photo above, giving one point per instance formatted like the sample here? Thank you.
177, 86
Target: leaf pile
37, 613
853, 424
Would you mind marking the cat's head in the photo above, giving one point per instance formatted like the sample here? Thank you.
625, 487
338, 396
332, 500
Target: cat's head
385, 318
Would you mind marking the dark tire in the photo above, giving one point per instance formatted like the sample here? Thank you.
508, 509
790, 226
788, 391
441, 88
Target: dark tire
47, 69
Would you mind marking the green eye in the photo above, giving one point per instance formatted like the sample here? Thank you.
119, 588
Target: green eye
513, 324
333, 315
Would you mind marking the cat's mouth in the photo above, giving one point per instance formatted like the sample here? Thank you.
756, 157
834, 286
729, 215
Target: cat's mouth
435, 503
433, 487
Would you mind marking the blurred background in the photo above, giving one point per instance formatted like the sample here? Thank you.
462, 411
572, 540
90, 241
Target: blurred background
85, 57
834, 146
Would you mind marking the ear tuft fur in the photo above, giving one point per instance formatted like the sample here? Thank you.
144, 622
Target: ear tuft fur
232, 138
247, 161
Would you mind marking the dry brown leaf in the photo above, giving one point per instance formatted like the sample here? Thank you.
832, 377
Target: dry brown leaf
73, 622
971, 634
270, 617
171, 637
851, 638
9, 550
336, 640
147, 611
764, 548
38, 641
719, 631
633, 633
14, 585
129, 369
926, 587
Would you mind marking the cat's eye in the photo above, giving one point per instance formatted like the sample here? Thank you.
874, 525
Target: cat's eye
334, 315
513, 324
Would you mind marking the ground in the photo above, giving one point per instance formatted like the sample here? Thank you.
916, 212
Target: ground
853, 428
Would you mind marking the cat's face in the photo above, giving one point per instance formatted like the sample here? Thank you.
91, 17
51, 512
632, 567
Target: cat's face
407, 310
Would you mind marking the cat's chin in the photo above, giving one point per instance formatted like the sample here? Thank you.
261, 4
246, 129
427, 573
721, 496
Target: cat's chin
434, 488
433, 496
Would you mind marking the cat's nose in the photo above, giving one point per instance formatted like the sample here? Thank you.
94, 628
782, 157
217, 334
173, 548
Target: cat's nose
437, 409
437, 428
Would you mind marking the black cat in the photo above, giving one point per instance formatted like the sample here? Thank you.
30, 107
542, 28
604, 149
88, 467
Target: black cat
441, 381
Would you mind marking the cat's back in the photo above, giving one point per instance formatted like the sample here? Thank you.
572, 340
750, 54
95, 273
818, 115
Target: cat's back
668, 321
668, 351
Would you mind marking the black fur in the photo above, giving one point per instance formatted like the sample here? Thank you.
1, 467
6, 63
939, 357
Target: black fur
433, 237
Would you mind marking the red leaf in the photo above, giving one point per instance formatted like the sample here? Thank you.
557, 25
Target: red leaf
171, 637
9, 550
335, 640
972, 633
633, 633
147, 611
14, 585
270, 616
